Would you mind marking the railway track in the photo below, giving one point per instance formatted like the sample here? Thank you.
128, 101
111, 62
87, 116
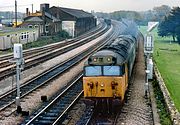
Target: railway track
29, 52
8, 99
55, 111
94, 115
47, 117
136, 109
52, 51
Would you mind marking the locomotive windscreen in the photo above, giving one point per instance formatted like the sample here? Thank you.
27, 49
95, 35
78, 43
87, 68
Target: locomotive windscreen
104, 70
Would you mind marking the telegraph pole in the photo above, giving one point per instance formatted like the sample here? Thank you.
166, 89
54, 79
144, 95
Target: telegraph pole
15, 13
32, 8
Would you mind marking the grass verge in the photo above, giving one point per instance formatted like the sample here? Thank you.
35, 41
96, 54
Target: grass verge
167, 58
163, 112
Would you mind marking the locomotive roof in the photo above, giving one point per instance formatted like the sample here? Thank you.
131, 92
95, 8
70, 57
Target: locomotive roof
119, 48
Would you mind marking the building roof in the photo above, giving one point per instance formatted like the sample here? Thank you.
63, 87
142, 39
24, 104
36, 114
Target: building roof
11, 30
52, 17
33, 18
76, 12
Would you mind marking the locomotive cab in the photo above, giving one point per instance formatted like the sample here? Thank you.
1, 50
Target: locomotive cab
104, 81
107, 72
103, 77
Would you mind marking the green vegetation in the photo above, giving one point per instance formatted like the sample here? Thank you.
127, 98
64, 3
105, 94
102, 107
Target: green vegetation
167, 58
141, 18
47, 40
170, 25
162, 107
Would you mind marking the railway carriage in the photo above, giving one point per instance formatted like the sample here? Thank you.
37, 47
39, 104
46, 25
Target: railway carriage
108, 71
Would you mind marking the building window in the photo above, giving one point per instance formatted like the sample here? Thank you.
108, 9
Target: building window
46, 28
30, 26
36, 26
22, 37
8, 35
25, 35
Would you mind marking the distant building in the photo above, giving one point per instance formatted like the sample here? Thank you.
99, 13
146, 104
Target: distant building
9, 36
74, 21
46, 23
52, 20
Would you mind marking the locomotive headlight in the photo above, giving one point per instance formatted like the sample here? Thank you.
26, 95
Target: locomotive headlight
109, 59
95, 59
102, 85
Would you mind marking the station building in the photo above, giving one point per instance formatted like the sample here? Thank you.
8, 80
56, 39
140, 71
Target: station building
46, 23
74, 21
9, 36
55, 19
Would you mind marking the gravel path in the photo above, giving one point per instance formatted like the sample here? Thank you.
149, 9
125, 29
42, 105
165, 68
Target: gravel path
136, 110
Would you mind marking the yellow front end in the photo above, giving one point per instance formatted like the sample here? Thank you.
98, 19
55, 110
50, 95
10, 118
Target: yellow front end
104, 87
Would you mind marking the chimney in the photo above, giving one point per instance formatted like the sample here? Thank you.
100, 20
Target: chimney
27, 11
44, 6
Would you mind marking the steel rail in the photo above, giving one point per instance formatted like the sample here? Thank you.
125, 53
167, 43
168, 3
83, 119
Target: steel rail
55, 100
38, 49
29, 63
44, 120
34, 81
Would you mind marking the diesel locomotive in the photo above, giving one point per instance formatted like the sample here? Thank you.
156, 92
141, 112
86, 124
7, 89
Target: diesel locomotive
108, 71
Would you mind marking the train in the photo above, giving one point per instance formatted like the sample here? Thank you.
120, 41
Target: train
107, 21
108, 71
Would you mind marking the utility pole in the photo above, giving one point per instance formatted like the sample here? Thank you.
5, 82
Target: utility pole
32, 8
15, 13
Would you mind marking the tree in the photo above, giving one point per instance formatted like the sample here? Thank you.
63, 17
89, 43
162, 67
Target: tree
171, 25
163, 28
160, 12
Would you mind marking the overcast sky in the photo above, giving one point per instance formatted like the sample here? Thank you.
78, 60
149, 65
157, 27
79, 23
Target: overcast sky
88, 5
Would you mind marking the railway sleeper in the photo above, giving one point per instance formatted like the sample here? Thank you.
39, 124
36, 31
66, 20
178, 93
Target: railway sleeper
47, 118
43, 122
57, 110
5, 100
51, 114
